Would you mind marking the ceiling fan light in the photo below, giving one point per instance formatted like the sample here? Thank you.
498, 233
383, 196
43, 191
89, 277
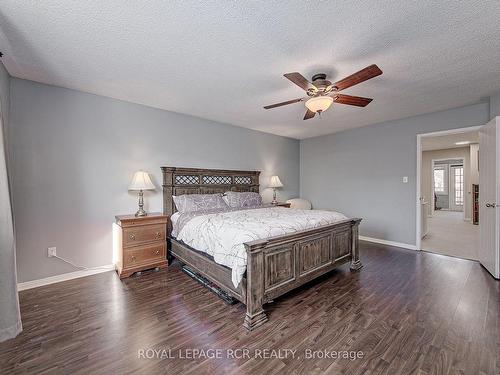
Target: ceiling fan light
319, 103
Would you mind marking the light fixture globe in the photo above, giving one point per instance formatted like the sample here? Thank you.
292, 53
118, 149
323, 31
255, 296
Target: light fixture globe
319, 103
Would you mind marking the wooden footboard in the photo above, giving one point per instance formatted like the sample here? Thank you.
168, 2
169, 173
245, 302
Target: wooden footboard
280, 264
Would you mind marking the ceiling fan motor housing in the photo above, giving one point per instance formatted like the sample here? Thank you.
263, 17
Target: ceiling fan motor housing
321, 84
319, 76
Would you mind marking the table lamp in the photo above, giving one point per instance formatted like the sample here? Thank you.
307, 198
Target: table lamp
141, 182
275, 183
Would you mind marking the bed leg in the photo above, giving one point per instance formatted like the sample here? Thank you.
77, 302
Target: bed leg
253, 321
170, 258
355, 262
255, 315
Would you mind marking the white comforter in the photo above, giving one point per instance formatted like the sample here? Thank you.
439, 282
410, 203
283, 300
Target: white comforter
222, 235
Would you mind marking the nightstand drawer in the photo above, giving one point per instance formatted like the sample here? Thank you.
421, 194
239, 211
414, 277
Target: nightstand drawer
144, 255
141, 234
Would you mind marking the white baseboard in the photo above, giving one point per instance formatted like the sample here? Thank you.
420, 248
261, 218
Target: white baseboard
389, 243
64, 277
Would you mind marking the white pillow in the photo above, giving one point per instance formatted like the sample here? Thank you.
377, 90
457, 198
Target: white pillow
299, 204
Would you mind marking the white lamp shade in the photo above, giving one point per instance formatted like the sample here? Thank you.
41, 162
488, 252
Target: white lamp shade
141, 181
319, 103
275, 182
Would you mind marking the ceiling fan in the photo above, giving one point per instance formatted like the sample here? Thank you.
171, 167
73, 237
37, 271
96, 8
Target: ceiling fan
322, 93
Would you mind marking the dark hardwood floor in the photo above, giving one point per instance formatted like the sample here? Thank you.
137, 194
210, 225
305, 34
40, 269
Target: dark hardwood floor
407, 312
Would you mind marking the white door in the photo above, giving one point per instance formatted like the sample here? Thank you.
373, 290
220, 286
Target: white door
489, 202
456, 187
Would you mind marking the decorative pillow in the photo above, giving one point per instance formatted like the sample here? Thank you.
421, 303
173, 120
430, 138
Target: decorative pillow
242, 199
198, 202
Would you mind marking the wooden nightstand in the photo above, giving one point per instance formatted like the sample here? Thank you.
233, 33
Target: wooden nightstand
140, 243
282, 204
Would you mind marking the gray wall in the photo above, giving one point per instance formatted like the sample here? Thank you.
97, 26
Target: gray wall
359, 171
73, 156
495, 105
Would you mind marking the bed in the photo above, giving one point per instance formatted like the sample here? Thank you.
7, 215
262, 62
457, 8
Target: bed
275, 265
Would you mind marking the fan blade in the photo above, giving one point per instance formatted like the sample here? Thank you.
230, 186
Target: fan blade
283, 103
361, 76
309, 114
352, 100
299, 80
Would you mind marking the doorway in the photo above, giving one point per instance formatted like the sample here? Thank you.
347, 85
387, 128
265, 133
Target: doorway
447, 176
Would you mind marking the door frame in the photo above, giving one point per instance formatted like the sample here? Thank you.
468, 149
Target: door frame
449, 183
418, 225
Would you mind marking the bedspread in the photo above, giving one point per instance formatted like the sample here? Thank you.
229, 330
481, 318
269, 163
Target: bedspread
222, 233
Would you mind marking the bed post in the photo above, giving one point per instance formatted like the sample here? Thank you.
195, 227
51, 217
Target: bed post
168, 181
255, 315
355, 262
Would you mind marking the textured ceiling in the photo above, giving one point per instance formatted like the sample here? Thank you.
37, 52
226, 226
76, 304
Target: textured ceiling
224, 60
448, 141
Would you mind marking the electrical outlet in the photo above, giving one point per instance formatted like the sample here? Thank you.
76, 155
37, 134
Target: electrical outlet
405, 179
51, 252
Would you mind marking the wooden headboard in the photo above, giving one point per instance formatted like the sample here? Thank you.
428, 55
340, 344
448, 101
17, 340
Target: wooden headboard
178, 181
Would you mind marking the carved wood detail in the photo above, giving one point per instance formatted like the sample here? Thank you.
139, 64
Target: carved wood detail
314, 254
280, 267
342, 243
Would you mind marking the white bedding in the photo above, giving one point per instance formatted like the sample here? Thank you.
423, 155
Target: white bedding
174, 218
222, 235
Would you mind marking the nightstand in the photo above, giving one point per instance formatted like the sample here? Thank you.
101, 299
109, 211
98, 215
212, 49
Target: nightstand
140, 243
282, 204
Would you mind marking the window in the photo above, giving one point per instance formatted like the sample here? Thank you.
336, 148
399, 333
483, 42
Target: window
440, 180
459, 186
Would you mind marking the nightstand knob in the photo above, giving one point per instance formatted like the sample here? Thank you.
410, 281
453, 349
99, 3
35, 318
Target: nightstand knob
157, 252
133, 258
158, 234
132, 236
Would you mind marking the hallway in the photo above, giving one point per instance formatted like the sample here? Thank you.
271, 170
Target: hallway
450, 235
